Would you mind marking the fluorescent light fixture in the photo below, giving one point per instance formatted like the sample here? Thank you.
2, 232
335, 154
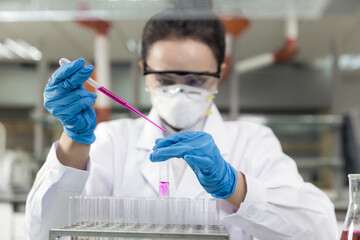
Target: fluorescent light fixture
5, 52
32, 51
349, 62
23, 49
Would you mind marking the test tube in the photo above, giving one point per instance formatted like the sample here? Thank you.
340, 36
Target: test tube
173, 210
119, 211
82, 212
213, 213
198, 213
103, 205
128, 219
112, 211
152, 212
87, 209
93, 210
74, 210
143, 211
183, 212
164, 179
136, 212
164, 212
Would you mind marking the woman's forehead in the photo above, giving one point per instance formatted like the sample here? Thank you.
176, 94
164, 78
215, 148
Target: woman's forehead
186, 54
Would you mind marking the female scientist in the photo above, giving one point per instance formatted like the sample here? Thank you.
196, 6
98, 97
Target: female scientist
242, 163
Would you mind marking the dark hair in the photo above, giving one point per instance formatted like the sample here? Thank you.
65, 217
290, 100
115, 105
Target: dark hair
203, 26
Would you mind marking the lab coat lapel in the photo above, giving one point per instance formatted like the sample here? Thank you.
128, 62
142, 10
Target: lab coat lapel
189, 185
215, 126
150, 133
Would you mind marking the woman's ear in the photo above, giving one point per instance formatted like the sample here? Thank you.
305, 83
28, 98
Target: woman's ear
223, 71
141, 65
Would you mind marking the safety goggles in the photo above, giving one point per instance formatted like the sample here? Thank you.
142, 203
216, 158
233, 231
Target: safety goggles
205, 80
193, 93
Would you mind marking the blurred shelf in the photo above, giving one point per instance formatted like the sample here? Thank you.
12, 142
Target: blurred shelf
315, 163
13, 197
298, 123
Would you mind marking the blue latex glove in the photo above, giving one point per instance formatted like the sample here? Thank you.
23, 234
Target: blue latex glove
67, 99
199, 150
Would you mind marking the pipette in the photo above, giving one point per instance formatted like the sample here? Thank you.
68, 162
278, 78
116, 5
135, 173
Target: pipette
111, 95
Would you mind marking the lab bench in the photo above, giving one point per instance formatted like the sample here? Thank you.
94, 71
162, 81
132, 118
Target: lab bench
145, 232
12, 209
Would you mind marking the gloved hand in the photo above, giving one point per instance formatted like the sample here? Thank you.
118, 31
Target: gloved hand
67, 99
199, 150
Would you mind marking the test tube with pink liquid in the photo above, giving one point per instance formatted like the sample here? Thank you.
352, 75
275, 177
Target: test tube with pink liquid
164, 179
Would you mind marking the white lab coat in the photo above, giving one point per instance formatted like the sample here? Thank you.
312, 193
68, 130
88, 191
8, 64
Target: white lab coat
278, 204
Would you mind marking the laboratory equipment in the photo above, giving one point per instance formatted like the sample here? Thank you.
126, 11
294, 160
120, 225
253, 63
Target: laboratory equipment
127, 212
104, 210
163, 212
119, 209
125, 217
93, 208
164, 179
213, 213
139, 212
143, 233
173, 208
74, 208
198, 213
183, 212
111, 95
351, 228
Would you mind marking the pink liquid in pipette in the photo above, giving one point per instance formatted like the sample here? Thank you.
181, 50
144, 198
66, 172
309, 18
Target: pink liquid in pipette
355, 235
123, 103
164, 189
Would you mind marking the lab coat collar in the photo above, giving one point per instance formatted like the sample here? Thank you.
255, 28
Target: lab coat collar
215, 126
189, 185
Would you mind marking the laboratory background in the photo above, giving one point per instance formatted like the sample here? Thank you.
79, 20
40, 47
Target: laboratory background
295, 67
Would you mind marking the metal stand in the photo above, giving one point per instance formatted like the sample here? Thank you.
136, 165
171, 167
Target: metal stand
136, 231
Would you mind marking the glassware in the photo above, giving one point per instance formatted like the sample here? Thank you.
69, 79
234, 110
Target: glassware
351, 228
183, 212
163, 213
164, 179
173, 210
119, 211
128, 218
143, 211
152, 207
74, 211
198, 213
138, 212
104, 207
213, 213
112, 211
93, 205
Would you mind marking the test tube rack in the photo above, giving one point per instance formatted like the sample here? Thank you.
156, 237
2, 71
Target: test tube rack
120, 231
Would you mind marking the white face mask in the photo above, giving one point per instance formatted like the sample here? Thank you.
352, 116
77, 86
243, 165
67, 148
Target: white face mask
181, 106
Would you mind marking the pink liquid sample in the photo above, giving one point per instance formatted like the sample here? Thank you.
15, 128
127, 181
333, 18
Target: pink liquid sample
355, 235
164, 189
123, 103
